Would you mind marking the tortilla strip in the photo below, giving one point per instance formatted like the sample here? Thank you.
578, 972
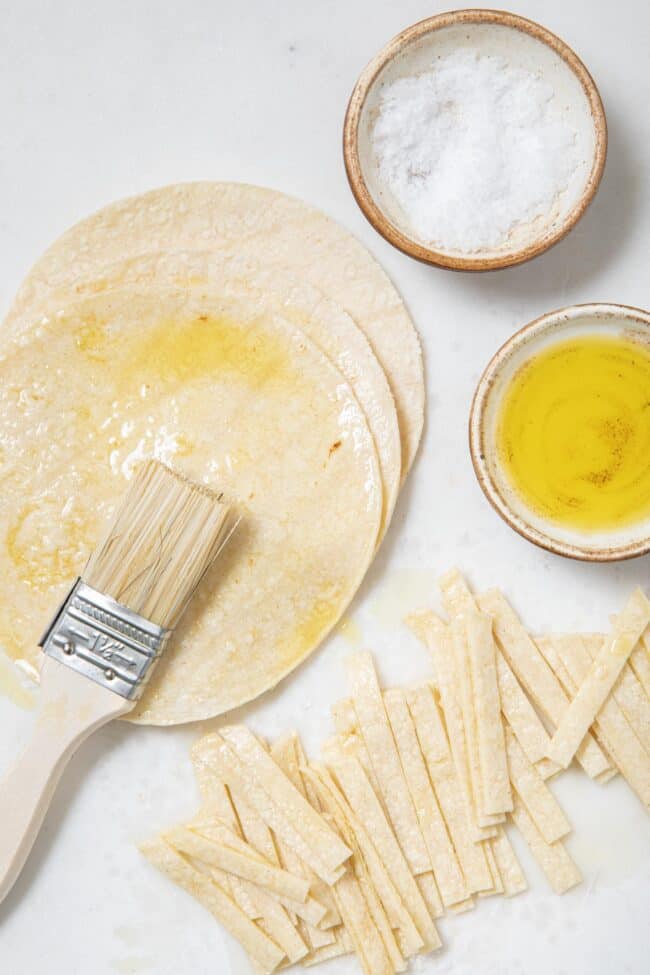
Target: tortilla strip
368, 944
534, 673
464, 906
497, 797
435, 635
322, 890
264, 772
510, 871
350, 901
327, 915
466, 698
497, 882
516, 706
459, 603
312, 912
640, 661
375, 882
520, 713
347, 728
560, 870
355, 786
624, 745
627, 692
234, 773
217, 805
548, 769
321, 852
218, 854
373, 722
326, 953
536, 796
276, 914
600, 680
378, 874
435, 748
283, 752
430, 894
446, 869
260, 948
547, 647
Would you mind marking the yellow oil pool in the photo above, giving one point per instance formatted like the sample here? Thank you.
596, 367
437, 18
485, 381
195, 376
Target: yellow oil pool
573, 433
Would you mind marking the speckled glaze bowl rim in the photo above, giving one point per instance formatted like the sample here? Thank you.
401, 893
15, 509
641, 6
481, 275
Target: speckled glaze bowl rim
354, 171
551, 321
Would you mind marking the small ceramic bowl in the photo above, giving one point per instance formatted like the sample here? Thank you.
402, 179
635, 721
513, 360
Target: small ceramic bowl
604, 546
523, 44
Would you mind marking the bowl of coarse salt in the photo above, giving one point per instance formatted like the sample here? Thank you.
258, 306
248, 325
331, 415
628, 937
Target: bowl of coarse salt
475, 140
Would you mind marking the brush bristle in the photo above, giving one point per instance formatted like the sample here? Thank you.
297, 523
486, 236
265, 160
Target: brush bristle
165, 534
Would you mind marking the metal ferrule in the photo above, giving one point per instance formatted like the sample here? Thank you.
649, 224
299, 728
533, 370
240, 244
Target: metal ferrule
105, 641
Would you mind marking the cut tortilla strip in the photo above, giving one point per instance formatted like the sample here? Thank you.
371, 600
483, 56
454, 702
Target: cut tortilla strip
275, 914
640, 661
347, 728
259, 947
464, 906
376, 732
217, 805
313, 911
375, 882
628, 692
370, 868
264, 772
214, 794
460, 606
600, 680
547, 769
430, 894
442, 772
218, 854
548, 648
465, 695
611, 723
510, 871
536, 796
561, 872
367, 941
495, 781
520, 713
324, 849
497, 882
536, 676
326, 953
517, 708
435, 635
284, 753
322, 891
447, 870
351, 903
355, 786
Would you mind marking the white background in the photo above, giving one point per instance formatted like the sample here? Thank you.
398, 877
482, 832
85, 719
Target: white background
101, 100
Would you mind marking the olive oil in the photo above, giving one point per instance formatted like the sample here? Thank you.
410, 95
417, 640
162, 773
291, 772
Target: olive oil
573, 434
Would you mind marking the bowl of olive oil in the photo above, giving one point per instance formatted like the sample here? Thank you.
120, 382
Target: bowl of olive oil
560, 432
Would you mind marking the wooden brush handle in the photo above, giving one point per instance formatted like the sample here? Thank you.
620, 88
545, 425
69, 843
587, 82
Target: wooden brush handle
71, 708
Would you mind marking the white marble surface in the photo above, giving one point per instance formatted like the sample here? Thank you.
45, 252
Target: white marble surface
102, 99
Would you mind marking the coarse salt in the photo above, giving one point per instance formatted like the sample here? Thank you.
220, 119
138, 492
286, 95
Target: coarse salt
472, 149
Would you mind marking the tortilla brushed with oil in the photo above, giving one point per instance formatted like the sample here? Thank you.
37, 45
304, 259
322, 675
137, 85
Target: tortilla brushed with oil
322, 320
258, 224
229, 394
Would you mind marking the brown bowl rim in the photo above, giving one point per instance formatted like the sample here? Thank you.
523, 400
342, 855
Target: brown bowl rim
378, 218
615, 553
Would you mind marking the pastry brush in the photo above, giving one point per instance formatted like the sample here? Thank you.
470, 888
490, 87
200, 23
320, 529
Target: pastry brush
105, 640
